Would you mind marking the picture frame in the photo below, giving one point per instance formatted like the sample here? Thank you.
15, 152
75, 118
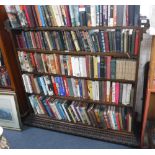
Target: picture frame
9, 111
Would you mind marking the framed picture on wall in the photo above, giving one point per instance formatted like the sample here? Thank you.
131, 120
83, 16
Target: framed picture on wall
9, 112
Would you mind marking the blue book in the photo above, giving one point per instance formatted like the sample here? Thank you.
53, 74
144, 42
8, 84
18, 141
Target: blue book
62, 111
71, 11
41, 15
63, 87
39, 84
57, 84
97, 15
59, 110
76, 15
43, 100
43, 85
80, 87
25, 40
102, 42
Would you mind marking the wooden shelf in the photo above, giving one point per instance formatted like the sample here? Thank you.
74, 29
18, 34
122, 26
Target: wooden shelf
80, 99
65, 28
44, 116
114, 136
7, 87
86, 78
80, 53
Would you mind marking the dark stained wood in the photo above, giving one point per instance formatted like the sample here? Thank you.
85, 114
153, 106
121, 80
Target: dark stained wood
86, 78
6, 44
81, 53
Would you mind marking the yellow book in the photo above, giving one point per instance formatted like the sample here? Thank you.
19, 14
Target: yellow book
90, 92
75, 41
95, 67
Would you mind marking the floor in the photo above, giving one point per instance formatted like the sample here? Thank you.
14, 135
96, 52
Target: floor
36, 138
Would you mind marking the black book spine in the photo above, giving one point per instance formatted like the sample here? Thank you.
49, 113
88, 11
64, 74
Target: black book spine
136, 15
47, 15
102, 67
82, 16
118, 40
131, 15
101, 16
80, 40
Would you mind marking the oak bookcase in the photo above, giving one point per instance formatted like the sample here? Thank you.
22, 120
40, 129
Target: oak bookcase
43, 121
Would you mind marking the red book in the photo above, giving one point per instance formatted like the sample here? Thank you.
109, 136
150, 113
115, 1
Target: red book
108, 71
54, 86
137, 42
117, 121
33, 60
66, 86
87, 65
39, 38
33, 39
29, 15
106, 41
117, 90
68, 18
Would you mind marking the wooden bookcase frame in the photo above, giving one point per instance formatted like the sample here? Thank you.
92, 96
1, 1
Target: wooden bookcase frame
43, 121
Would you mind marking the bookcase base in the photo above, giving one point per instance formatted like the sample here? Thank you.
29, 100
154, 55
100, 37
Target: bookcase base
124, 138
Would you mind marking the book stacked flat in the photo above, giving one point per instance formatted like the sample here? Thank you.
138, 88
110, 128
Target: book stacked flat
73, 15
76, 112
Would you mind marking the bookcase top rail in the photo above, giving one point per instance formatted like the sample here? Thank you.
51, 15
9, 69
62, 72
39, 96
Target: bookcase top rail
63, 28
80, 53
70, 98
86, 78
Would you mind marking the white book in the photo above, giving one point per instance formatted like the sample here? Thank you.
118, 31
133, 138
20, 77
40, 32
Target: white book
93, 15
124, 94
47, 84
81, 66
63, 106
124, 16
24, 80
32, 104
73, 66
73, 86
48, 41
86, 116
128, 93
56, 15
62, 65
113, 92
73, 109
78, 110
29, 86
77, 66
97, 90
60, 15
108, 91
55, 109
93, 90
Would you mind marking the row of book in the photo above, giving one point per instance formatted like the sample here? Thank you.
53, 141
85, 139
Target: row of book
4, 78
112, 40
73, 15
77, 112
79, 66
106, 91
